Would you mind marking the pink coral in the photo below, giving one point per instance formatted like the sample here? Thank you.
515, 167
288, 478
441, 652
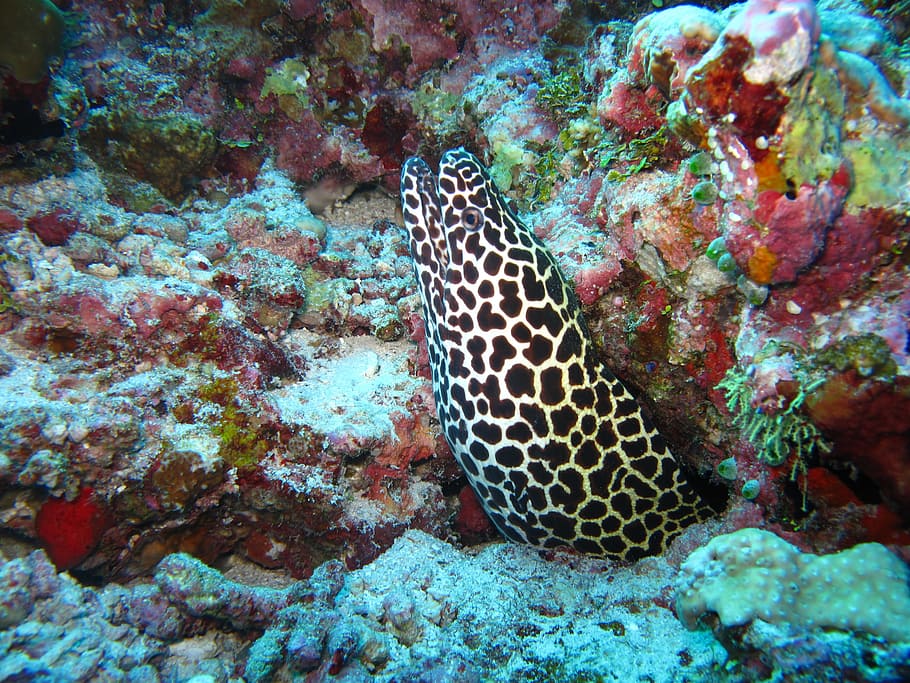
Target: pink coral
631, 109
439, 31
151, 313
429, 38
303, 149
783, 31
787, 231
251, 230
93, 315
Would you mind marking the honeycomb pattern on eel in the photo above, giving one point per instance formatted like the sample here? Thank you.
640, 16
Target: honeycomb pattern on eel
555, 447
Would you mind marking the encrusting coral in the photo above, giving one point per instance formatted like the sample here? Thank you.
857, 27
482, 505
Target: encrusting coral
754, 574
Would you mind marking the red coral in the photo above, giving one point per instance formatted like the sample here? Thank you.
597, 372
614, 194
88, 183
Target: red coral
719, 86
763, 48
852, 249
53, 228
869, 423
383, 132
71, 530
788, 232
632, 109
9, 222
717, 360
471, 519
826, 488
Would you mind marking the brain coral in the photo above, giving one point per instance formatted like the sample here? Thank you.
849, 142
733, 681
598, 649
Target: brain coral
753, 574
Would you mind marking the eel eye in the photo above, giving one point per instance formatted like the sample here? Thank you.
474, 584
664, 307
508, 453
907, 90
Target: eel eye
472, 219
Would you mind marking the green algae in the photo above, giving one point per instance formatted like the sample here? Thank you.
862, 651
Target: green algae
439, 108
751, 489
726, 263
704, 193
811, 146
168, 152
638, 155
727, 469
288, 82
867, 354
776, 434
564, 94
244, 439
878, 164
507, 157
700, 164
716, 249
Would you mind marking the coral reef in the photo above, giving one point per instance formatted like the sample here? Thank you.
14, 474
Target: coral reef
212, 356
422, 609
55, 629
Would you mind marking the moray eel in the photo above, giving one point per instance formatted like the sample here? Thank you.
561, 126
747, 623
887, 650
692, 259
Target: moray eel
555, 447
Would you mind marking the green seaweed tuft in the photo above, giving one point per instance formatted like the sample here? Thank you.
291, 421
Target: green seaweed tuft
244, 439
564, 95
776, 435
639, 155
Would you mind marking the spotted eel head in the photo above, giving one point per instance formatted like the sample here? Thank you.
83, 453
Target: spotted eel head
553, 444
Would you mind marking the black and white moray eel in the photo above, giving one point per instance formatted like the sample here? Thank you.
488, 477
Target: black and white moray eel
555, 447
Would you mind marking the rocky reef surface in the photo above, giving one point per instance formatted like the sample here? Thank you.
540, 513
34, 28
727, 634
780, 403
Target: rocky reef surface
219, 454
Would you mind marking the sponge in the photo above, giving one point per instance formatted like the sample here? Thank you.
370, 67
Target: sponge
31, 32
754, 574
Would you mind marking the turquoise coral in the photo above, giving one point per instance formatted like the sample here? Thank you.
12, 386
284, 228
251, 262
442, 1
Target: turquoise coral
752, 574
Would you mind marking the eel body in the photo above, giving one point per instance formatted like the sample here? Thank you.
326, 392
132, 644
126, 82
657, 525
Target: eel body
555, 447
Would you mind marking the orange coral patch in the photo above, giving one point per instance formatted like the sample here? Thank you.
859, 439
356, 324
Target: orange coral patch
769, 175
761, 265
